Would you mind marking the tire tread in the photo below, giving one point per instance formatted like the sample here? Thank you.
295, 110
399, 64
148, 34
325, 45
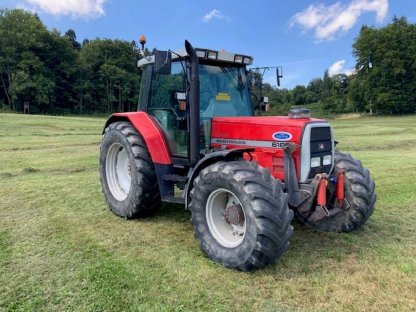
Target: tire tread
147, 200
269, 207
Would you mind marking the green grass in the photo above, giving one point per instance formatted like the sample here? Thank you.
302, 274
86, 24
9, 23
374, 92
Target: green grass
61, 248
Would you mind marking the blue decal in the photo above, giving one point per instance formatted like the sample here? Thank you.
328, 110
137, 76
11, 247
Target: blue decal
282, 136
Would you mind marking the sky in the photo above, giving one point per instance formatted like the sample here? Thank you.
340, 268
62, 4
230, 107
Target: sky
304, 37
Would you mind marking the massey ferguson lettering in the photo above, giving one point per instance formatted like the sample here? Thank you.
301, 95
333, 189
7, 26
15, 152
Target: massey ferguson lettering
234, 142
251, 143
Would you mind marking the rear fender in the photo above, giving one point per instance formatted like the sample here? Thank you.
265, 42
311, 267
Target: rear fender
209, 159
155, 142
150, 132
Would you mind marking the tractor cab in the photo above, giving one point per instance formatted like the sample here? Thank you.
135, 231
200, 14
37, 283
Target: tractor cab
165, 90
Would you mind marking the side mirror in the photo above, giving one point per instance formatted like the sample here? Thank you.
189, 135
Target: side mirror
264, 104
279, 74
181, 98
163, 62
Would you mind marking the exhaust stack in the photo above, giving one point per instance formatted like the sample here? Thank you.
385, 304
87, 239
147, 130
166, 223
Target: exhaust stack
193, 105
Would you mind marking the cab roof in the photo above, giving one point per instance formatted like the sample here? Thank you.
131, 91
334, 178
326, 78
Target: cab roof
221, 56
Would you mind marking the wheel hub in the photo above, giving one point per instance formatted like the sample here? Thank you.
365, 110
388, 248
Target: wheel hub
234, 215
225, 218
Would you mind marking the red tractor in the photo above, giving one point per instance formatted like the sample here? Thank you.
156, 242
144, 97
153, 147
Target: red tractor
196, 141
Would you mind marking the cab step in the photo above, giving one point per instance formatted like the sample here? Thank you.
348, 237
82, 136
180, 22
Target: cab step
175, 178
173, 200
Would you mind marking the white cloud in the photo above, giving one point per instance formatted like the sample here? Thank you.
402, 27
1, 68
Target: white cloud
350, 71
338, 68
74, 8
215, 14
328, 22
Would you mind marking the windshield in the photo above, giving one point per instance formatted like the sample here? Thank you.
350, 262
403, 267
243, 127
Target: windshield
224, 91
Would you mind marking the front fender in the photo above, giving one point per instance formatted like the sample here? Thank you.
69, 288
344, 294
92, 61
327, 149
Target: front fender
209, 159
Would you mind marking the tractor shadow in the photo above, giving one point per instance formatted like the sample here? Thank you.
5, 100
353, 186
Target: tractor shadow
310, 251
174, 214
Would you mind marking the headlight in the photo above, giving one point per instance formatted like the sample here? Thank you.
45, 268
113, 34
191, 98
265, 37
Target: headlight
327, 160
200, 53
212, 55
315, 162
247, 61
238, 59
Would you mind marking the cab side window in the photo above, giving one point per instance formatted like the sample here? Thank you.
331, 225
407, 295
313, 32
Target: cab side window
164, 107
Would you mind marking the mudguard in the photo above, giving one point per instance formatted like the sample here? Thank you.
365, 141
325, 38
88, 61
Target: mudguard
150, 132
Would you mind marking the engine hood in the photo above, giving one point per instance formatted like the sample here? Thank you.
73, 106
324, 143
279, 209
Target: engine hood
258, 131
267, 120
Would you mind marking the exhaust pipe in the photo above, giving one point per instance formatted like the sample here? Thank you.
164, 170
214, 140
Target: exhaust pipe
193, 120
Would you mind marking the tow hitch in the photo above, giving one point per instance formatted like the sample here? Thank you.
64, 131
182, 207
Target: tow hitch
321, 209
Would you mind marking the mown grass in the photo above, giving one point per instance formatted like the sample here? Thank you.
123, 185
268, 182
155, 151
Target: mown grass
61, 249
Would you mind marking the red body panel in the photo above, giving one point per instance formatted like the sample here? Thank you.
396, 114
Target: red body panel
257, 132
151, 133
231, 132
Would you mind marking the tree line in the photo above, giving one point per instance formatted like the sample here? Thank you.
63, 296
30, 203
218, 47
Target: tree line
56, 74
384, 81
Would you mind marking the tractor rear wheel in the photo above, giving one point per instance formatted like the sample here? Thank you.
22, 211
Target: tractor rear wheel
127, 173
240, 215
359, 196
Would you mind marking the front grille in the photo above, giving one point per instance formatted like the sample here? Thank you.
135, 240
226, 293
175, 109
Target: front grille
320, 146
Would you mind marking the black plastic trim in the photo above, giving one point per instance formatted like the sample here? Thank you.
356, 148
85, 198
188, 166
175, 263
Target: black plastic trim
320, 134
149, 72
166, 188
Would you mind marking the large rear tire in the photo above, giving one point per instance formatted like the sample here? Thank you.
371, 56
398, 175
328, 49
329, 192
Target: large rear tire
127, 173
359, 193
240, 215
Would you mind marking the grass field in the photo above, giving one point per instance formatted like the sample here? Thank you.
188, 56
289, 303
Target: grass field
62, 249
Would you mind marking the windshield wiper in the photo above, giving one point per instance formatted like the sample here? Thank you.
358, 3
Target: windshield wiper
232, 78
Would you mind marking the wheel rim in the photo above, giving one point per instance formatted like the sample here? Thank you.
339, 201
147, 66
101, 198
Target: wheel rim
226, 218
118, 171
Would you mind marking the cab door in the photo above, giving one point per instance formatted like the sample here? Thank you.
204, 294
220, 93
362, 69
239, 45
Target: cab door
167, 109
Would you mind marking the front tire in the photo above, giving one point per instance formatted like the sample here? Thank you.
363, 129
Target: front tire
240, 215
359, 193
127, 174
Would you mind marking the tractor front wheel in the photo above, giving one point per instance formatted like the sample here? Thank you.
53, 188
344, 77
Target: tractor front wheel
240, 215
127, 173
359, 198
